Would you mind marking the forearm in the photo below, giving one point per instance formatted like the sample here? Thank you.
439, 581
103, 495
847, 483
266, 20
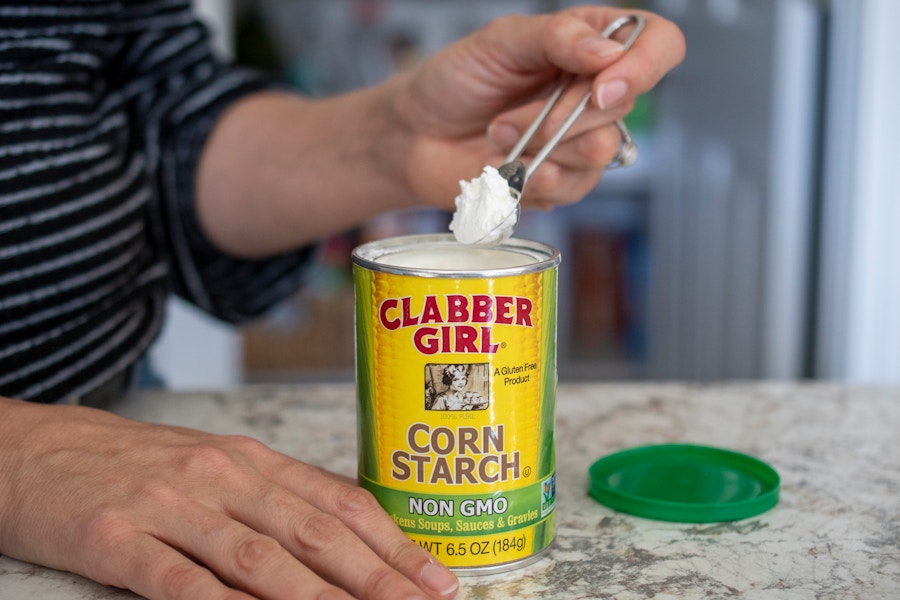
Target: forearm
10, 435
20, 433
280, 171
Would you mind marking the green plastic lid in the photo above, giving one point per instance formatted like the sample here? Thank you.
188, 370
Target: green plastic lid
685, 483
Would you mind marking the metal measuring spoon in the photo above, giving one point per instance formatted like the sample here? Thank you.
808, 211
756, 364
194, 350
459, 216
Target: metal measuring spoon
516, 173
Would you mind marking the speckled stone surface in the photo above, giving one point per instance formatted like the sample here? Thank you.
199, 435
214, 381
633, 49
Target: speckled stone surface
834, 534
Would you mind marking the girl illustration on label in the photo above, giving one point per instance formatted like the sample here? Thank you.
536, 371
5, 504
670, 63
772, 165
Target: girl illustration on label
457, 396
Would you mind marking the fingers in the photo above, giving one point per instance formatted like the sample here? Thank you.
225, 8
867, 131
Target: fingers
507, 128
330, 548
362, 513
562, 41
592, 150
573, 169
657, 50
501, 75
247, 557
571, 41
268, 525
153, 569
336, 529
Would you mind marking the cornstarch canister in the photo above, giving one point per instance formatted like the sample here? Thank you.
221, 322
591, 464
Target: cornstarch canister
456, 380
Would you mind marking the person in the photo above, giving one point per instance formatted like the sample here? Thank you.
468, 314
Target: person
456, 397
132, 166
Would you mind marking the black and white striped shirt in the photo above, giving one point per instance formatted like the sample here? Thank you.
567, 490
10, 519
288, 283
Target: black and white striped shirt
104, 108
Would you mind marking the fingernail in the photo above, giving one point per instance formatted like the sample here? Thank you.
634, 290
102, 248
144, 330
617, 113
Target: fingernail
503, 135
439, 579
611, 92
601, 46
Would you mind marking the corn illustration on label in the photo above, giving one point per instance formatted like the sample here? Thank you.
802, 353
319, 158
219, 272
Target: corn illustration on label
456, 379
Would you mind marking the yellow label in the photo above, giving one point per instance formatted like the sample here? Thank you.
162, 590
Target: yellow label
457, 393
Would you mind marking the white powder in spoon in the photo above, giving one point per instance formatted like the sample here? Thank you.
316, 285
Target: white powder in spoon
485, 210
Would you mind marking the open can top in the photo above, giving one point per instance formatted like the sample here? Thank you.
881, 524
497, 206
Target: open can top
440, 255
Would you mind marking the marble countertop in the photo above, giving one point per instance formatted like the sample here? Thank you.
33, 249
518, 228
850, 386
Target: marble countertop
834, 534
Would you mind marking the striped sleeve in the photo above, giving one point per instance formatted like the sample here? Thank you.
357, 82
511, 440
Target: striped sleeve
186, 92
104, 111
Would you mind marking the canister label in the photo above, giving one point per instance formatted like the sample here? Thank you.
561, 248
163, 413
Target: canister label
457, 393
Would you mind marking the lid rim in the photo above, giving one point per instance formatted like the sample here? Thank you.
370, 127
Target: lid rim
764, 476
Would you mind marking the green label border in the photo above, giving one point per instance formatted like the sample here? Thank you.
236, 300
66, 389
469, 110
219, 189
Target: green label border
524, 504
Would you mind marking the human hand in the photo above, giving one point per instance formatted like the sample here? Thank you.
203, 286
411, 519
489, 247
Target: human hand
469, 103
176, 513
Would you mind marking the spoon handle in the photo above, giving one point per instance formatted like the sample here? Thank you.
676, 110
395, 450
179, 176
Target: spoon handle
514, 154
553, 141
517, 150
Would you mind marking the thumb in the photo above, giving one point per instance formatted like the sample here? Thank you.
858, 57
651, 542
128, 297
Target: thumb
547, 42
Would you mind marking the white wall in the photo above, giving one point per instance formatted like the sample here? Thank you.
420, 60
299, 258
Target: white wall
219, 17
859, 318
731, 210
195, 351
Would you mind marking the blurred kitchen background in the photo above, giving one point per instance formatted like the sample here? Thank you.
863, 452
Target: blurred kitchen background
756, 237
